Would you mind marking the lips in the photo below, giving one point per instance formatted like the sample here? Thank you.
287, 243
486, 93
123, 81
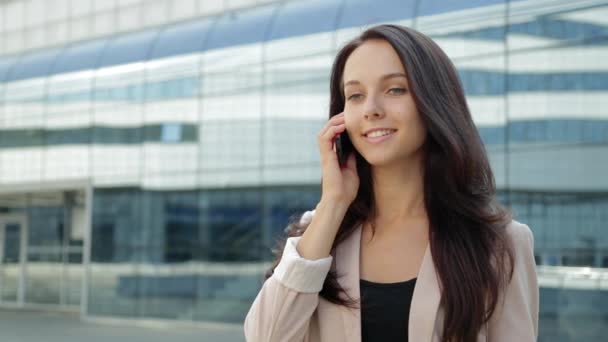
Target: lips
377, 140
369, 131
379, 132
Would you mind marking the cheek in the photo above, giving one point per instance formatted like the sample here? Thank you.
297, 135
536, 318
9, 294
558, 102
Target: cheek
349, 121
412, 123
349, 113
406, 111
416, 127
352, 129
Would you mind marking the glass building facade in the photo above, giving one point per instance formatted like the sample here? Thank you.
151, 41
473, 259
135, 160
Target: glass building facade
148, 174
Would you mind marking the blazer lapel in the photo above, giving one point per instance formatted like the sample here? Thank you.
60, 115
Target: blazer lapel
347, 265
425, 301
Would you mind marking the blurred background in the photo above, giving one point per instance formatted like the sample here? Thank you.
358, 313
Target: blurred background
152, 151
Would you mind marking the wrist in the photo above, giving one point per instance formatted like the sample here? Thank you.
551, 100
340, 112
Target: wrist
332, 205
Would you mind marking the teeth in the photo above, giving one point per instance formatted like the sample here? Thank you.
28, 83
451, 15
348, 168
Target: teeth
380, 133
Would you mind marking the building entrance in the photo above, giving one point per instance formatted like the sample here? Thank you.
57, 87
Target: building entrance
13, 251
42, 248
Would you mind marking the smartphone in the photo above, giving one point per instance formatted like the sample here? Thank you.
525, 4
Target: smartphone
344, 147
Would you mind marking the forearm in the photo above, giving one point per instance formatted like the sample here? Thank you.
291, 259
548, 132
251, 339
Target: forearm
318, 239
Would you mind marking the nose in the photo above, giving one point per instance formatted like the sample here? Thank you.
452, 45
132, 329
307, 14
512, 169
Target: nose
372, 110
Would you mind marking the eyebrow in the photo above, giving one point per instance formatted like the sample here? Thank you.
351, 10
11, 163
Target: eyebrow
385, 77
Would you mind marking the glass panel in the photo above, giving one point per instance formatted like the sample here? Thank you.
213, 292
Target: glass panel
116, 248
576, 22
283, 205
366, 12
22, 115
114, 108
36, 64
557, 116
195, 253
6, 64
231, 234
181, 39
231, 111
241, 27
80, 57
482, 35
434, 7
321, 16
172, 99
128, 48
73, 268
172, 241
11, 267
45, 255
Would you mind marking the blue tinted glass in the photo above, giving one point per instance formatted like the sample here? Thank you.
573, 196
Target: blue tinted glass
492, 135
171, 132
485, 33
80, 57
305, 17
181, 39
32, 65
241, 27
431, 7
365, 12
129, 48
6, 64
548, 27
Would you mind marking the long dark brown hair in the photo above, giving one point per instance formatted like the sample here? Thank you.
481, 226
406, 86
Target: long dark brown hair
467, 226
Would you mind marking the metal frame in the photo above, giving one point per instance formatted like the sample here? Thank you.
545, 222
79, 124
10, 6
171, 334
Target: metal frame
32, 188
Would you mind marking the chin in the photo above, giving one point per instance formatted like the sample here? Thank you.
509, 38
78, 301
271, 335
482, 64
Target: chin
379, 160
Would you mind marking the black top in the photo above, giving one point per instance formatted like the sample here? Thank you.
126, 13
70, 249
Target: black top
385, 310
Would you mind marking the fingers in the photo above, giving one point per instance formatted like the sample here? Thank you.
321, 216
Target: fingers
328, 133
335, 120
326, 140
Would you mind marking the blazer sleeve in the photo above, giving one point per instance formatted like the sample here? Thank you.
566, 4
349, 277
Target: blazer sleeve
283, 307
516, 316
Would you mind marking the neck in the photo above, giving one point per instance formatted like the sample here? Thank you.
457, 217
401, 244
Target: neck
399, 192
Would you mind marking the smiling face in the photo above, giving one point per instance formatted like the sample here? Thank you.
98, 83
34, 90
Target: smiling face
376, 96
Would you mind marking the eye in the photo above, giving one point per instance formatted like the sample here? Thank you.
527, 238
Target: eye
397, 91
353, 97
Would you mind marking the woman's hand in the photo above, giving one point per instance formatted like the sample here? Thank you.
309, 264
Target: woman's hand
338, 184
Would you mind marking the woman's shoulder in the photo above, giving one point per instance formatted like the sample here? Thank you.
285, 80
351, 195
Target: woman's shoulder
520, 234
522, 244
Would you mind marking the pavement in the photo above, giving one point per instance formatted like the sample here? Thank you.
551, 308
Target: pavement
45, 326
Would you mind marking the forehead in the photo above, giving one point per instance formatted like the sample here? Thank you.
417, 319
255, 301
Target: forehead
371, 60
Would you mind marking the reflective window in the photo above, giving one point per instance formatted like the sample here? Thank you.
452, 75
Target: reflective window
366, 12
6, 64
321, 16
128, 49
33, 65
240, 27
81, 56
181, 39
435, 7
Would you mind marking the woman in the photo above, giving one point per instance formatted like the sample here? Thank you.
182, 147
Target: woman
407, 239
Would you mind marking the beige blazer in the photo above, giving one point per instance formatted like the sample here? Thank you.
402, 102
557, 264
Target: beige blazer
288, 307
